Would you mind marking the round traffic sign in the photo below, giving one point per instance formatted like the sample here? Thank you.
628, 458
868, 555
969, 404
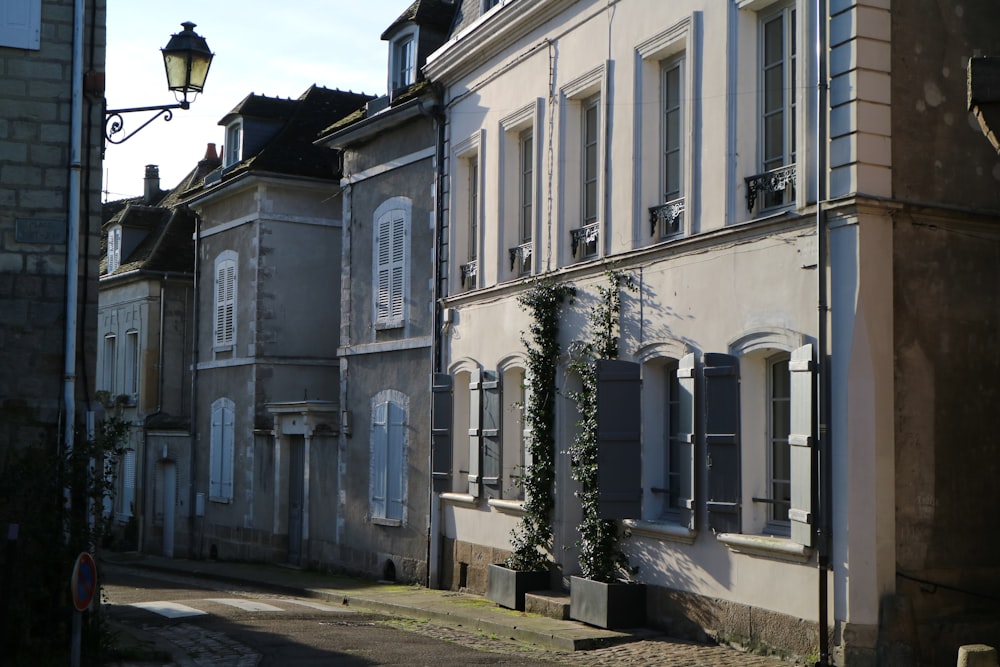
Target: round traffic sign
84, 582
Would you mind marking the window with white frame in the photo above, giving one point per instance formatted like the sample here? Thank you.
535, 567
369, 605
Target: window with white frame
109, 365
526, 197
225, 300
403, 61
20, 24
518, 192
512, 433
131, 388
233, 149
461, 428
470, 269
779, 464
489, 4
670, 220
390, 262
114, 257
584, 239
775, 185
221, 450
388, 467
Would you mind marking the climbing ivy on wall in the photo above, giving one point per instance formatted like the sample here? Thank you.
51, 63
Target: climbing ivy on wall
532, 538
601, 556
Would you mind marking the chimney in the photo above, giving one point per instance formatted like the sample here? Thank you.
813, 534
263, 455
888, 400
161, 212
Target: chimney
151, 191
209, 162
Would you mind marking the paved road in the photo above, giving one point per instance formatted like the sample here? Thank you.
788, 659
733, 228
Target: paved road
227, 625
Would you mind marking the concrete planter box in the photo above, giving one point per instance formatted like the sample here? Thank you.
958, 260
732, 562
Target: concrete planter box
507, 587
610, 606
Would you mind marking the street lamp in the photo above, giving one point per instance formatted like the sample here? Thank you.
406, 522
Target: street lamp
186, 59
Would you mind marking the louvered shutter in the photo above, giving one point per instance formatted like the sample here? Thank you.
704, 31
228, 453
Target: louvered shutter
619, 439
800, 443
128, 482
228, 451
722, 441
686, 440
398, 267
383, 256
215, 453
441, 421
225, 303
20, 24
380, 447
475, 432
395, 455
491, 428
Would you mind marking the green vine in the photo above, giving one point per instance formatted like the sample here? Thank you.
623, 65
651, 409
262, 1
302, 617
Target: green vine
601, 556
532, 538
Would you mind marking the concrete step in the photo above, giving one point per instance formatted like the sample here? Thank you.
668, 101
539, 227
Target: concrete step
553, 604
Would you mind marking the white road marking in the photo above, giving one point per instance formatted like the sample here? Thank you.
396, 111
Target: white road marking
245, 605
169, 609
318, 606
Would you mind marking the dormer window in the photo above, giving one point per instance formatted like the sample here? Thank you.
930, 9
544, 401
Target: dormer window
403, 63
234, 143
114, 248
489, 4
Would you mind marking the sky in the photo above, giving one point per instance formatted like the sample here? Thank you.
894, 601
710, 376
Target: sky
270, 48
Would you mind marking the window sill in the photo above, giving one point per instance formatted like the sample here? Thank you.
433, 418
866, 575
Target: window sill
384, 326
662, 530
767, 547
459, 498
382, 521
220, 499
507, 506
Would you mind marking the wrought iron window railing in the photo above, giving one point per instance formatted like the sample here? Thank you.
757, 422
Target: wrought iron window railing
771, 188
520, 259
584, 240
667, 217
469, 273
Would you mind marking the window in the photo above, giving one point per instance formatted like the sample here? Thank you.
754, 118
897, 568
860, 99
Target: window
391, 250
489, 4
584, 240
109, 366
527, 186
512, 428
517, 191
404, 64
114, 248
131, 388
232, 152
20, 24
775, 186
388, 458
778, 414
669, 220
668, 450
225, 300
470, 270
223, 430
126, 498
461, 428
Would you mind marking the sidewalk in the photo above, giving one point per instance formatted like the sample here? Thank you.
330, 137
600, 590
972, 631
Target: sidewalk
461, 611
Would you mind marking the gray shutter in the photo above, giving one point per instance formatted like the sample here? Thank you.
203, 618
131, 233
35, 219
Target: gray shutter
801, 444
441, 421
228, 450
475, 433
491, 428
619, 443
395, 461
722, 441
215, 453
686, 438
379, 454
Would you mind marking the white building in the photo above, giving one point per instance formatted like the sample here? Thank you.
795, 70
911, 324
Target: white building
681, 143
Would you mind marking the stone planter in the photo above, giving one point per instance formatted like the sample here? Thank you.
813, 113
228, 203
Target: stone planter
507, 587
610, 606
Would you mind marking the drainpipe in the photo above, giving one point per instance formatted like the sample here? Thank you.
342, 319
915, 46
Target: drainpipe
193, 428
821, 426
73, 229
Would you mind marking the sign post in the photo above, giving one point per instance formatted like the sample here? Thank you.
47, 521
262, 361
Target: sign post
83, 585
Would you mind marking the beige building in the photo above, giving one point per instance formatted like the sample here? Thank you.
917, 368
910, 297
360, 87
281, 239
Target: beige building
815, 314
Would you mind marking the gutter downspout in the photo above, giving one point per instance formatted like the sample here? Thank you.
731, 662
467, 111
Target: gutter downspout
821, 424
73, 230
192, 427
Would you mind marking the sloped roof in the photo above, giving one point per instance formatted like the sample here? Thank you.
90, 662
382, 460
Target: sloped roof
432, 13
261, 106
291, 150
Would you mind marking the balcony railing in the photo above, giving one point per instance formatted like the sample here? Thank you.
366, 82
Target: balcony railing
520, 258
584, 239
469, 273
776, 187
668, 218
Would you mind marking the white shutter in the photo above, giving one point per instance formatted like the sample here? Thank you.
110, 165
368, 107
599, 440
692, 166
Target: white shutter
686, 438
395, 455
379, 452
475, 432
114, 249
225, 303
390, 268
20, 24
801, 444
398, 266
215, 453
228, 450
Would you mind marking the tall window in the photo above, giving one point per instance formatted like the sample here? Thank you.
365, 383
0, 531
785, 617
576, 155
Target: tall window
591, 154
126, 500
225, 300
388, 457
232, 151
778, 102
132, 364
668, 409
512, 433
109, 366
404, 64
473, 209
223, 431
114, 248
390, 263
671, 137
779, 411
526, 197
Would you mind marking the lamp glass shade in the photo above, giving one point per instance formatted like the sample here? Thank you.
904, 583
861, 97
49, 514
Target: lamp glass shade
186, 59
